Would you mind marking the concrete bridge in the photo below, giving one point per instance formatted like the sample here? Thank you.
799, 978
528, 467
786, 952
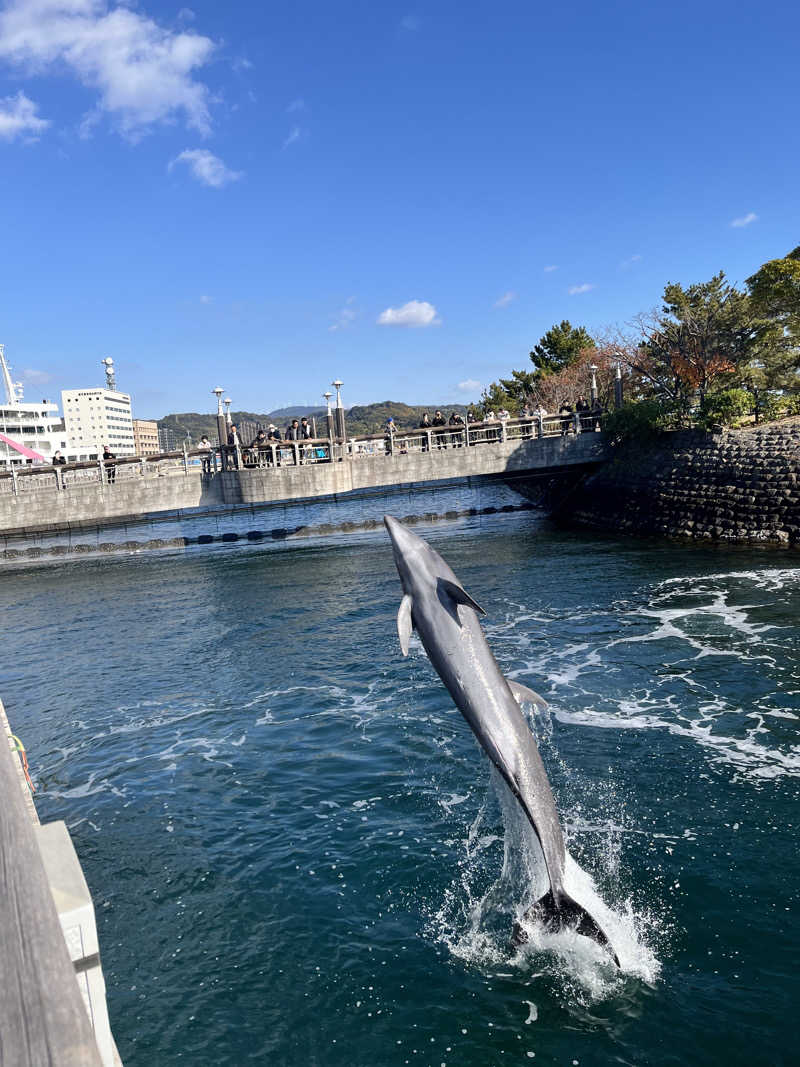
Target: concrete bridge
39, 500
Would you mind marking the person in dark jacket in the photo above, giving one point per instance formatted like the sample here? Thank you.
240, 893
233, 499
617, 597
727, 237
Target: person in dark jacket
439, 420
111, 467
293, 431
58, 459
566, 411
306, 429
456, 420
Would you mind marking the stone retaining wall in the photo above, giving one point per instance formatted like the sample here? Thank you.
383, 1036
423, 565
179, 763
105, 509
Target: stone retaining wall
740, 486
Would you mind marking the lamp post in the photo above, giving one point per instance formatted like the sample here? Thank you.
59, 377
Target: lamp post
618, 384
329, 416
227, 403
593, 369
339, 417
222, 426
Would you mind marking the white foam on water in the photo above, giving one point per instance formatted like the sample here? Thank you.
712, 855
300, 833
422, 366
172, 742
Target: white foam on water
480, 909
699, 621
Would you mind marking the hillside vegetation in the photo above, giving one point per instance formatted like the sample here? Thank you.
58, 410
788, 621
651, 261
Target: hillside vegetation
369, 418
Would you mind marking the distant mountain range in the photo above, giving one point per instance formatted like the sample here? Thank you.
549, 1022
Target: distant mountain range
370, 418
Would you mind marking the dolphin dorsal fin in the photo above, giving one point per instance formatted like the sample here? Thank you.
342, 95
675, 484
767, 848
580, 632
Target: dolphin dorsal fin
522, 694
457, 593
404, 623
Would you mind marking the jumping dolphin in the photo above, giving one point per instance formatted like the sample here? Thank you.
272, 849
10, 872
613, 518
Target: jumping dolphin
446, 619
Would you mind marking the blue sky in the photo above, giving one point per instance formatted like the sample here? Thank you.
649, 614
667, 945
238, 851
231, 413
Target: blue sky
269, 196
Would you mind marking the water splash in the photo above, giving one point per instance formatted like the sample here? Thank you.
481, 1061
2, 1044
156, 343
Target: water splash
480, 908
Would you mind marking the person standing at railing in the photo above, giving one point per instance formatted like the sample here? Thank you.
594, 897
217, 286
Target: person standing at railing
58, 459
233, 443
425, 424
306, 434
457, 421
256, 446
566, 411
111, 467
439, 420
205, 445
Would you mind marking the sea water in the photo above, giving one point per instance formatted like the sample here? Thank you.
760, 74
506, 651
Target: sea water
297, 851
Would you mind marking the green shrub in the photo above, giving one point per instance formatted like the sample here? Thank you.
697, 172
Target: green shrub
773, 406
724, 408
639, 421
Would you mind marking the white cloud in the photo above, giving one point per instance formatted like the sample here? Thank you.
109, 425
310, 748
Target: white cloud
18, 116
550, 269
206, 167
345, 317
294, 135
205, 299
575, 289
298, 104
630, 261
142, 72
505, 299
414, 313
469, 386
36, 377
409, 22
744, 220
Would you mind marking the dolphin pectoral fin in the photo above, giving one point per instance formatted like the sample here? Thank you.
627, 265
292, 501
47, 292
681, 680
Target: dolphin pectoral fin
404, 623
522, 695
459, 594
560, 912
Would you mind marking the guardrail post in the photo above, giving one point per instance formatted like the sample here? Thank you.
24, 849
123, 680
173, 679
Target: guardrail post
143, 467
101, 469
577, 422
185, 459
296, 452
540, 422
503, 431
14, 487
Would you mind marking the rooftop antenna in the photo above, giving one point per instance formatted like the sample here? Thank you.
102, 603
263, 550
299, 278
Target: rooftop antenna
108, 363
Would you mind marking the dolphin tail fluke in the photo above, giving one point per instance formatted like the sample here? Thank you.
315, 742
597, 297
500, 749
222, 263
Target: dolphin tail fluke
564, 911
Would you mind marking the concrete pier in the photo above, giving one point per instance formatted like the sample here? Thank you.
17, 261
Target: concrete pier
52, 992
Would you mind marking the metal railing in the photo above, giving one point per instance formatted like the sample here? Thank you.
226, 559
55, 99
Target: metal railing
19, 481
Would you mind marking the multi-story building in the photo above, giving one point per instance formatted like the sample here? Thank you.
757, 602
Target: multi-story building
29, 432
145, 437
168, 440
95, 418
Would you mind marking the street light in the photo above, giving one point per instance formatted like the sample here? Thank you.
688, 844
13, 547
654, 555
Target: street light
218, 394
340, 427
329, 415
227, 402
618, 381
593, 369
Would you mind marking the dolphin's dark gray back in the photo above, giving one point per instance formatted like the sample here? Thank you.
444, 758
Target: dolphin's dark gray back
445, 617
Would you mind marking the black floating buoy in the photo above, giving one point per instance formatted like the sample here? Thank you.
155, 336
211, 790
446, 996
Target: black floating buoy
230, 537
205, 539
255, 535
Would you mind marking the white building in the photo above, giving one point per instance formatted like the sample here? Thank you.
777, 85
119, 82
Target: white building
98, 417
29, 433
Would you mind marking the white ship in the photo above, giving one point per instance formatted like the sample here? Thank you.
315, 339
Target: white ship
29, 433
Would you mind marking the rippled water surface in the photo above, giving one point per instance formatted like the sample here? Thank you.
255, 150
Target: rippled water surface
294, 844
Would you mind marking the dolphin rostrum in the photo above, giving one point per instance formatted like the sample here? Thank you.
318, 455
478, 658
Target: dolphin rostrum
446, 619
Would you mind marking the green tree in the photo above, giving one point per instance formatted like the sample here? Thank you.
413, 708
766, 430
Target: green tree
702, 336
775, 299
560, 346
